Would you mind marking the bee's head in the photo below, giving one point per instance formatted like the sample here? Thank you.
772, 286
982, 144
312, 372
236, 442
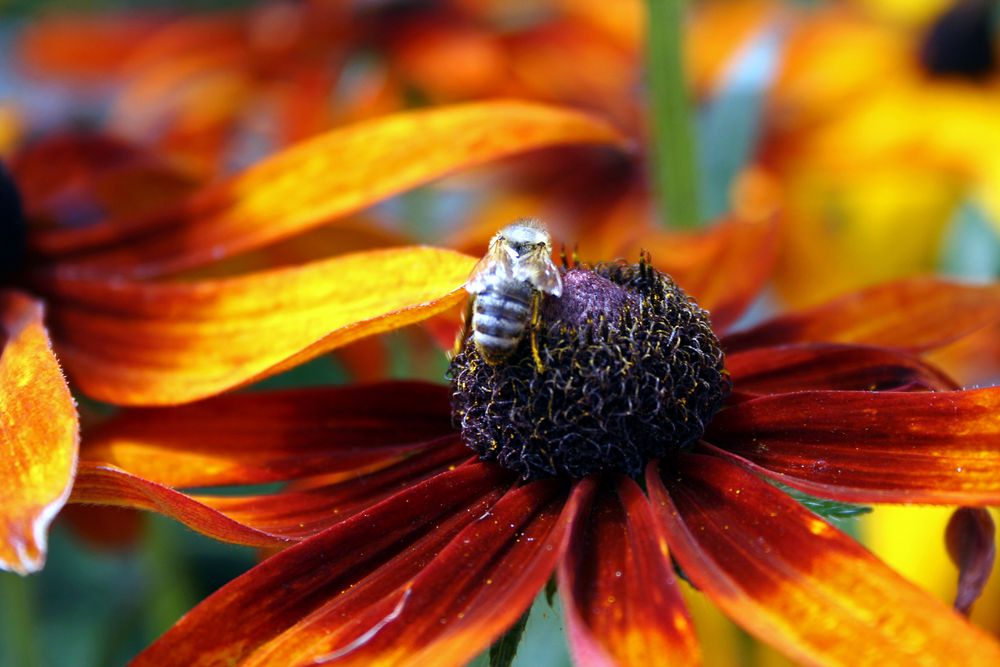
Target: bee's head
525, 236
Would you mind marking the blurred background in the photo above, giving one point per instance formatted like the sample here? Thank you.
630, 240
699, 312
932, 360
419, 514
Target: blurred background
872, 126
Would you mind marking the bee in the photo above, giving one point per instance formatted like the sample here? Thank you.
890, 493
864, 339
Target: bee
506, 287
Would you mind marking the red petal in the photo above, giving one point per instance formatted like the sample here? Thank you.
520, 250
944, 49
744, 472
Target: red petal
785, 368
265, 520
39, 434
792, 579
73, 180
135, 343
912, 314
922, 447
102, 484
622, 604
475, 588
970, 544
329, 177
355, 563
259, 437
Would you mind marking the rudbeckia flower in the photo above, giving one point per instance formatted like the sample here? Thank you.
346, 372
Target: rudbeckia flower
106, 218
628, 435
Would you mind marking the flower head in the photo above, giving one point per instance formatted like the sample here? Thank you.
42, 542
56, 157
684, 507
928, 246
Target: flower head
407, 547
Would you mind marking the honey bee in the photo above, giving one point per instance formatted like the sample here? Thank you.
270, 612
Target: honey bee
507, 285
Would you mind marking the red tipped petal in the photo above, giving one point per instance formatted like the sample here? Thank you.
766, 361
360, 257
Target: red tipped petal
136, 343
329, 177
921, 447
786, 368
356, 563
101, 484
474, 589
795, 581
259, 437
970, 544
291, 514
39, 434
622, 604
913, 315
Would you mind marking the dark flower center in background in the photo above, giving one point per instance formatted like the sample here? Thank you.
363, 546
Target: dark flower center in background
631, 370
960, 41
13, 230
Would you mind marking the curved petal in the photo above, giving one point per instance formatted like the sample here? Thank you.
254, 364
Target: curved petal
136, 343
39, 434
785, 368
265, 520
921, 447
969, 538
795, 581
915, 315
622, 603
328, 177
357, 562
102, 484
260, 437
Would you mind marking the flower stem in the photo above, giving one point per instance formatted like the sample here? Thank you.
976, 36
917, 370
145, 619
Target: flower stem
674, 149
18, 631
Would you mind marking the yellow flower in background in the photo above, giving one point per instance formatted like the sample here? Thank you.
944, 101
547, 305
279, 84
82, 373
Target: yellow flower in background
881, 122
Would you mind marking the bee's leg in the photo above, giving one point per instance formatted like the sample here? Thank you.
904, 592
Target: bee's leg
576, 255
562, 257
463, 333
536, 320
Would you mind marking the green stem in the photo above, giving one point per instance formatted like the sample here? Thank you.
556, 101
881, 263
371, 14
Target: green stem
19, 631
674, 151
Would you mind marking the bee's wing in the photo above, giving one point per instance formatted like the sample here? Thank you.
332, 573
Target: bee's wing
539, 269
496, 262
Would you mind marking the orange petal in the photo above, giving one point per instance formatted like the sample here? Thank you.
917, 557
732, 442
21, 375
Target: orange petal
79, 46
916, 315
328, 177
39, 434
797, 582
137, 343
622, 603
723, 268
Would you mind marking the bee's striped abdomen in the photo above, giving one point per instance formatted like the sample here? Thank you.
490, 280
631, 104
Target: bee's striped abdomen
500, 316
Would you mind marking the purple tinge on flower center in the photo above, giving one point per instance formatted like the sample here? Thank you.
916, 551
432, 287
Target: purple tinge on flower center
630, 370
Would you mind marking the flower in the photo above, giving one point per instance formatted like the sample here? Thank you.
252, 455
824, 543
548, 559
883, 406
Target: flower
404, 548
105, 220
870, 185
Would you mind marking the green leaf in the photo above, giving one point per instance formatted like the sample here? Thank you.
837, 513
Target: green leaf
504, 649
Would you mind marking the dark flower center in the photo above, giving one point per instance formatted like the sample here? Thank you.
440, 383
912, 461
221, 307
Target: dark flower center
960, 41
13, 231
630, 370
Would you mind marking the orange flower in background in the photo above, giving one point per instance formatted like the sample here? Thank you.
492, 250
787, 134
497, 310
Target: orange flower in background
402, 547
222, 88
146, 343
